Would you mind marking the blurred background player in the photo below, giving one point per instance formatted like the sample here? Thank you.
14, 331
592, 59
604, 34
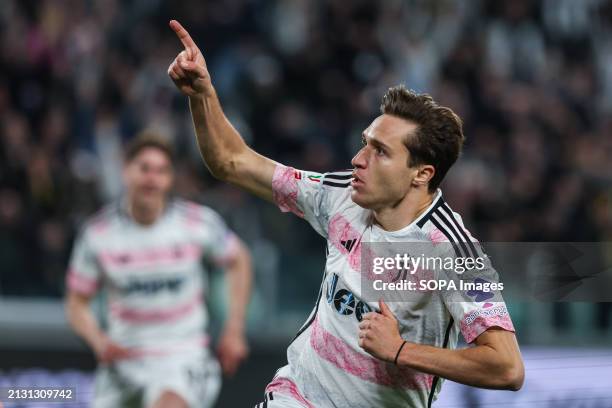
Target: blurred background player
146, 250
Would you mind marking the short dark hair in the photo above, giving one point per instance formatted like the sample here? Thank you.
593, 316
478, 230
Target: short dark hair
147, 139
439, 136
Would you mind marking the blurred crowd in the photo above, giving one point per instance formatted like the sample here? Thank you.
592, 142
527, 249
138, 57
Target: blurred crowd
300, 80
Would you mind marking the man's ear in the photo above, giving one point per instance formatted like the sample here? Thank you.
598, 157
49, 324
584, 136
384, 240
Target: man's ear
425, 173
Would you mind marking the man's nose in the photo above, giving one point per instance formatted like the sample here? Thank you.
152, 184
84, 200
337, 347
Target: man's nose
152, 178
359, 160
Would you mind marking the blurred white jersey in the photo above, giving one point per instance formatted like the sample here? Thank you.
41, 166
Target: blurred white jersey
326, 367
154, 274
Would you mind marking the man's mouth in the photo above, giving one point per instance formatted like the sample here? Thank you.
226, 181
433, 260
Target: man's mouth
356, 181
149, 190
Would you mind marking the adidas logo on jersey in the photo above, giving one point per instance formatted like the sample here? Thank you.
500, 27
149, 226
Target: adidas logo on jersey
349, 244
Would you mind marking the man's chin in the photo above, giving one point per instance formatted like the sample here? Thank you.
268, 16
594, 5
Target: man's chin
359, 199
149, 200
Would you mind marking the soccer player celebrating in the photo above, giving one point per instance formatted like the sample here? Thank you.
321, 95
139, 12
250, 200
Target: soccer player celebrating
147, 251
343, 356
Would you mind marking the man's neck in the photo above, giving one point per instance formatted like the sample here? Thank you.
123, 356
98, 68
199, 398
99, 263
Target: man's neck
144, 214
396, 217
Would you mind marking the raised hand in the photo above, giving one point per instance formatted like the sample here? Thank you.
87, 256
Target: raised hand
188, 70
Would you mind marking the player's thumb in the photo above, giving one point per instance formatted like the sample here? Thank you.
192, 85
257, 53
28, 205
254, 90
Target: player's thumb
384, 309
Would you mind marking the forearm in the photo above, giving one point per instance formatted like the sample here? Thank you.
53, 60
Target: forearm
239, 275
479, 366
219, 143
225, 153
84, 323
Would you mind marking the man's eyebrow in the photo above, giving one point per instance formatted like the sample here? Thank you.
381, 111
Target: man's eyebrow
374, 142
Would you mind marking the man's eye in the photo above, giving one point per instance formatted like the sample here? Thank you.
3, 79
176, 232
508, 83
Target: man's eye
363, 141
380, 151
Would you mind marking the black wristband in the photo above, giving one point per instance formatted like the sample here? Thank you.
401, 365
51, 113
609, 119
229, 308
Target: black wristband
399, 351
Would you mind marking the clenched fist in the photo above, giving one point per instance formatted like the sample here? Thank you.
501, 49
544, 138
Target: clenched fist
188, 70
379, 334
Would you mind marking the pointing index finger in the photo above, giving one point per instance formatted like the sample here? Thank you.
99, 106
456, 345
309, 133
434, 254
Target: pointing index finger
185, 38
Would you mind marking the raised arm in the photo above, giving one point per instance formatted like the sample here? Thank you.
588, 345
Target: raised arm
224, 151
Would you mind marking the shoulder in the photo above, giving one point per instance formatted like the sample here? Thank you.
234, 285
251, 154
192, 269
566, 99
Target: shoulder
100, 222
443, 225
342, 211
337, 188
340, 179
194, 212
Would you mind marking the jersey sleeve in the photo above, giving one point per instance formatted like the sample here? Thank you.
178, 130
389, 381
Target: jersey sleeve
220, 243
476, 304
309, 195
84, 274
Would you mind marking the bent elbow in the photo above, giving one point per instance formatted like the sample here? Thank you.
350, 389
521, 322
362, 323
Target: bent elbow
226, 171
514, 377
219, 171
518, 381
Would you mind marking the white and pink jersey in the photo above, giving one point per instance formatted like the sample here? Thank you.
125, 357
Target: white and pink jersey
154, 275
326, 367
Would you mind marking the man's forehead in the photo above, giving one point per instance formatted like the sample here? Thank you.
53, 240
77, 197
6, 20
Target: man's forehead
153, 155
389, 129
